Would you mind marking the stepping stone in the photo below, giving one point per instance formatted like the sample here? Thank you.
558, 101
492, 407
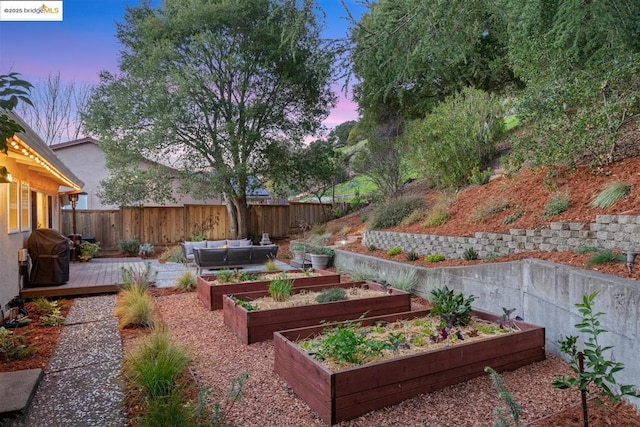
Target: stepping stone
16, 390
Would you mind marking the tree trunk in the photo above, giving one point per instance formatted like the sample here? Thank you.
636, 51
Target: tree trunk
242, 217
233, 218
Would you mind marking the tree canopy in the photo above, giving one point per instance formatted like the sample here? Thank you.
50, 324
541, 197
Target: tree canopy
215, 89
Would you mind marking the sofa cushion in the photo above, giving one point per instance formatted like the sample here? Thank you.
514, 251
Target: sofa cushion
190, 246
216, 243
239, 243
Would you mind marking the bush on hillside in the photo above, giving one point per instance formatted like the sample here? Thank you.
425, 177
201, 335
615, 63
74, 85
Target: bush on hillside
393, 212
455, 138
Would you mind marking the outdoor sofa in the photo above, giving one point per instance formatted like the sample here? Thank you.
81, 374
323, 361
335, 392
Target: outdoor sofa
223, 254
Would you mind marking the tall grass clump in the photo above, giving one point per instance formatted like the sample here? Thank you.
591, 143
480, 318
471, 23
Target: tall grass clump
558, 204
155, 366
393, 212
606, 256
172, 254
488, 209
134, 277
134, 307
362, 273
405, 280
186, 282
281, 288
610, 194
271, 265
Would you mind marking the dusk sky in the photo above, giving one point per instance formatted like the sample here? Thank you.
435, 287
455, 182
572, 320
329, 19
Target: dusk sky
84, 43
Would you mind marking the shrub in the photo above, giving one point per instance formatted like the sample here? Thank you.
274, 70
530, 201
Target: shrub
332, 294
470, 254
611, 194
558, 204
186, 282
455, 137
44, 306
172, 254
224, 276
415, 216
12, 345
488, 209
436, 216
405, 280
394, 251
129, 247
453, 308
392, 213
412, 256
281, 287
156, 364
434, 258
89, 250
134, 307
605, 256
372, 248
146, 250
479, 177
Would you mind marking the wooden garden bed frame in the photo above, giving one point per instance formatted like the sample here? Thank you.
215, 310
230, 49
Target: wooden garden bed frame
349, 393
211, 295
255, 326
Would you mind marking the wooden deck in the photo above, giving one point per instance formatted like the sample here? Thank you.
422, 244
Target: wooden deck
98, 276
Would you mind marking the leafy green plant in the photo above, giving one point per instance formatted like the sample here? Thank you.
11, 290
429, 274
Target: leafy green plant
507, 321
610, 194
172, 254
44, 306
134, 307
412, 256
479, 177
12, 345
135, 277
436, 216
404, 280
225, 276
89, 250
346, 344
515, 410
599, 371
332, 294
434, 258
55, 318
604, 256
513, 217
186, 281
281, 288
146, 250
488, 209
156, 364
451, 307
470, 254
372, 248
129, 246
558, 204
392, 213
394, 251
234, 394
491, 255
244, 304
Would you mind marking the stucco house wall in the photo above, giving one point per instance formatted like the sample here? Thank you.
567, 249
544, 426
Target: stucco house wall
38, 179
88, 162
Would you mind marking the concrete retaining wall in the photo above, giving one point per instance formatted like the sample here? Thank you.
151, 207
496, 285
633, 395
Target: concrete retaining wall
543, 293
608, 232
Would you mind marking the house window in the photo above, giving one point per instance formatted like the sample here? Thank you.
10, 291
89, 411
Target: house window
14, 213
25, 207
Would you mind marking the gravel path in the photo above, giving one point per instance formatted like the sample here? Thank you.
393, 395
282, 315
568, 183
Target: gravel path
219, 357
81, 385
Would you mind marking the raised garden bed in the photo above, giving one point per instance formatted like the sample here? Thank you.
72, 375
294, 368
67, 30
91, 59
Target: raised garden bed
210, 293
256, 326
349, 393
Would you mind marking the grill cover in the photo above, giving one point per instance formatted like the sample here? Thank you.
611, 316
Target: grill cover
50, 255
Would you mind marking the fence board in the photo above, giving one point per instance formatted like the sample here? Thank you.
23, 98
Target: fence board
170, 225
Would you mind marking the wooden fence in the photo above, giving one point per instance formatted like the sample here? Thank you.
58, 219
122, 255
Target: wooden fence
164, 226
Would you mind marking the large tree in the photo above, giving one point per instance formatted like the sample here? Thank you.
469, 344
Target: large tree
216, 90
409, 55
